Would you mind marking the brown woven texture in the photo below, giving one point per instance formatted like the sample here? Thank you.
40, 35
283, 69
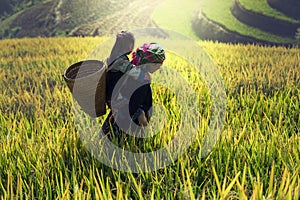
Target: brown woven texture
86, 80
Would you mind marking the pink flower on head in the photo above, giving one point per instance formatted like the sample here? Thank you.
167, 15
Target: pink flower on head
148, 53
135, 59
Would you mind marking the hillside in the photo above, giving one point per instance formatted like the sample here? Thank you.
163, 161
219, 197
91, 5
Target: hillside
241, 21
10, 7
77, 18
234, 21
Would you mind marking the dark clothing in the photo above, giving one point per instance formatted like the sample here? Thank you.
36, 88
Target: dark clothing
138, 94
139, 98
122, 64
111, 80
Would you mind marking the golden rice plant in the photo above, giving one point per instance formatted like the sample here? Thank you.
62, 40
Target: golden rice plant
257, 156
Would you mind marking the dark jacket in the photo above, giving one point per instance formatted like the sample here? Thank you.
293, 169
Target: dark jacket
138, 99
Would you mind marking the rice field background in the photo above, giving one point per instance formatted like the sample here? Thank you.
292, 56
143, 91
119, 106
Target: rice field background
220, 13
257, 156
264, 8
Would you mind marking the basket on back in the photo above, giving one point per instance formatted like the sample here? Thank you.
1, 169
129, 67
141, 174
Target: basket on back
86, 80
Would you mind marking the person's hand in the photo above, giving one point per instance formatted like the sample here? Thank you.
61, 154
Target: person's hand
147, 76
142, 119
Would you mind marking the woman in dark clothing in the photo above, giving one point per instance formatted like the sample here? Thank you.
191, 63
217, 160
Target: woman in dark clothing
129, 98
119, 64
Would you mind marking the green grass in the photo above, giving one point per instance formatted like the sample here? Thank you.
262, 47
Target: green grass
177, 16
93, 10
5, 24
17, 6
262, 7
257, 156
219, 11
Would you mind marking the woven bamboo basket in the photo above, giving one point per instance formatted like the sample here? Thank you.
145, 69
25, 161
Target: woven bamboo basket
86, 80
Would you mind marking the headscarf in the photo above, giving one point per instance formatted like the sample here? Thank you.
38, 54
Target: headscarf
148, 53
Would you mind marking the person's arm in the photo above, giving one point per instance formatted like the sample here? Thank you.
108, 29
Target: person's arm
140, 103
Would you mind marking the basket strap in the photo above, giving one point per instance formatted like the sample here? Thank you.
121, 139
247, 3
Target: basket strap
115, 64
109, 67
